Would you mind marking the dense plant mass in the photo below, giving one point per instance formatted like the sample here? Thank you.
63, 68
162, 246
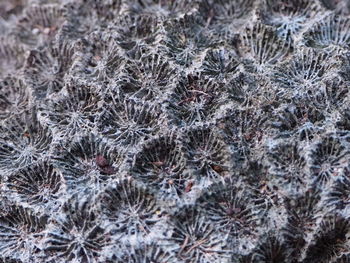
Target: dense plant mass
194, 131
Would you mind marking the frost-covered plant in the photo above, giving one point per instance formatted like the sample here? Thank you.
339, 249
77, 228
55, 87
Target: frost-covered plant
21, 232
38, 185
23, 141
76, 235
87, 162
130, 209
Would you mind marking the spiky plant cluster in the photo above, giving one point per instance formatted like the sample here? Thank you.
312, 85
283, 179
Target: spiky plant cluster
174, 131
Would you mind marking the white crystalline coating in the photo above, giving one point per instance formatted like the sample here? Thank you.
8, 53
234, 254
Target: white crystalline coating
174, 131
